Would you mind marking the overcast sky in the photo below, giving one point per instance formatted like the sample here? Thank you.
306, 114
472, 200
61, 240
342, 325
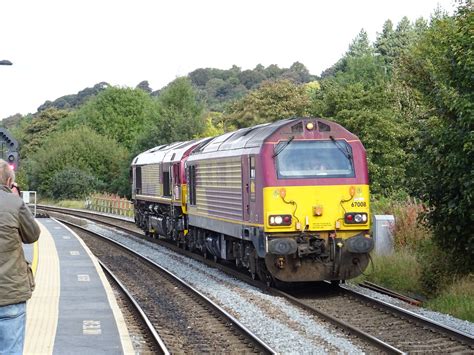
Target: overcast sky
60, 47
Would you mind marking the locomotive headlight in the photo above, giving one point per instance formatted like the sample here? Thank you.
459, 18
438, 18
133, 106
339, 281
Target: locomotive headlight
355, 218
280, 220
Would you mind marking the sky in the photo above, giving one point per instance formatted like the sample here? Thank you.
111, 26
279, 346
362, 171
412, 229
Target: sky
59, 47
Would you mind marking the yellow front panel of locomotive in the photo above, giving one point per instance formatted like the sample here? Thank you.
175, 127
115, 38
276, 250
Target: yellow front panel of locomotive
317, 208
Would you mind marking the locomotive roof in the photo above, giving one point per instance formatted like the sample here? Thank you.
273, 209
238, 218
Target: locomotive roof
250, 137
165, 153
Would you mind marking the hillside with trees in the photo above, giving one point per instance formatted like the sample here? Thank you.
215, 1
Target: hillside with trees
408, 96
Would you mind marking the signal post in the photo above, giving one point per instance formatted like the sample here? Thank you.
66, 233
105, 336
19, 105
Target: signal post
9, 149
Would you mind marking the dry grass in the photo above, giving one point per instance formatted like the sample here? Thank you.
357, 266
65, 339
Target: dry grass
410, 228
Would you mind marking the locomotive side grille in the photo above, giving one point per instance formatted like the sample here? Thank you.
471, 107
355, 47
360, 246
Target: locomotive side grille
219, 188
151, 180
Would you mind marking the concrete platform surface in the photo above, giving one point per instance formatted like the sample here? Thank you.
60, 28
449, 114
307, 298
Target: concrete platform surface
73, 309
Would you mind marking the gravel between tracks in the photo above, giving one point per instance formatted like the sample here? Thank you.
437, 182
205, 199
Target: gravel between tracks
283, 326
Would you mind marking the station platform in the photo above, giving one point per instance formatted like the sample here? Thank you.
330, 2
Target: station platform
73, 309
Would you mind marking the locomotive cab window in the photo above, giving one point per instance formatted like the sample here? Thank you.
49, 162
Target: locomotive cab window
314, 159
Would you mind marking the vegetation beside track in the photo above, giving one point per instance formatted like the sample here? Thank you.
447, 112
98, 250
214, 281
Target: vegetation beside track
418, 267
63, 203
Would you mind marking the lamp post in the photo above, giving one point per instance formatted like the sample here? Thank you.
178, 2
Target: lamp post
5, 62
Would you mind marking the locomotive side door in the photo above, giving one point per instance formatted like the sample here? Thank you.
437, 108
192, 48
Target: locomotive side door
167, 184
176, 182
252, 188
245, 188
248, 187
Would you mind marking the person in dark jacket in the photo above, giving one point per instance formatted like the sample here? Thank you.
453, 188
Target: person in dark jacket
17, 226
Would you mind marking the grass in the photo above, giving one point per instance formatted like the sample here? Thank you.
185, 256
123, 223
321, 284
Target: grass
64, 203
400, 271
457, 300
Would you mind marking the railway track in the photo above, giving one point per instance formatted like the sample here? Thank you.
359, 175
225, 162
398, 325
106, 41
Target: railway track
186, 320
389, 328
145, 339
403, 330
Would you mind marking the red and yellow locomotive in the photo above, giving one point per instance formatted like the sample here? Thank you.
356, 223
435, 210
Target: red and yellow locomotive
287, 200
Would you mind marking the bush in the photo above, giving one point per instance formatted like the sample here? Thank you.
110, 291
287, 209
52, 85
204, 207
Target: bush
73, 183
439, 268
81, 149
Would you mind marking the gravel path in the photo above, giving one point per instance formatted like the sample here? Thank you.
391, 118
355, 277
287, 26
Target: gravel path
283, 326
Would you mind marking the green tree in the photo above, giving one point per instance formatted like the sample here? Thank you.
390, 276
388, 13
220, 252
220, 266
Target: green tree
180, 117
439, 70
118, 113
360, 46
272, 101
384, 45
39, 128
81, 149
298, 73
214, 125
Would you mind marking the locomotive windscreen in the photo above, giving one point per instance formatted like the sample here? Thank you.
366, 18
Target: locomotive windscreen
314, 159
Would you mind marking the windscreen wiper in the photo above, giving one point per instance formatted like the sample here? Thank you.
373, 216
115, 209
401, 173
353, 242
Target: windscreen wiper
278, 151
346, 151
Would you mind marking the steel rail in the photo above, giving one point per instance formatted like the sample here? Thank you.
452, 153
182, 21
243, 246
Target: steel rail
456, 334
265, 348
156, 337
387, 348
386, 291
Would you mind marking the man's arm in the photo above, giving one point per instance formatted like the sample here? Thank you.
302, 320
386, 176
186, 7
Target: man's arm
29, 230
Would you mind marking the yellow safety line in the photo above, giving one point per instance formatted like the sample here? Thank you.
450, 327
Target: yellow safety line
34, 264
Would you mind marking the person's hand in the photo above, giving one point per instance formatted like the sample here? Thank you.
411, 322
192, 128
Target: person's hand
15, 189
